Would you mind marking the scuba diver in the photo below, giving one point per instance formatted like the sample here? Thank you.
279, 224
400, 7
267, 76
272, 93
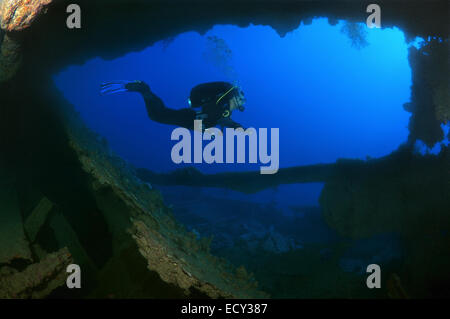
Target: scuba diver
211, 102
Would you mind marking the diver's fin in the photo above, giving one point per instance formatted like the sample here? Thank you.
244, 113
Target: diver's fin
114, 87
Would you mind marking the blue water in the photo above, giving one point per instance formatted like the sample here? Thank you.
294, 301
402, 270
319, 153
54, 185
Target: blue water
329, 99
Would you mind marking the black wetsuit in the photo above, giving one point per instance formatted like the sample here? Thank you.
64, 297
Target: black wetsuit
211, 115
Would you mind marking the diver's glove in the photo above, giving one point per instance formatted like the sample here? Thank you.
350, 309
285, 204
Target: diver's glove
114, 87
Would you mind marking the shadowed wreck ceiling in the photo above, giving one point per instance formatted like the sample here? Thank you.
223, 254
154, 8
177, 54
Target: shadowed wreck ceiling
110, 222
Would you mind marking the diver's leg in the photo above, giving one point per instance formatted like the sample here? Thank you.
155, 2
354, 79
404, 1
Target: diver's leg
155, 106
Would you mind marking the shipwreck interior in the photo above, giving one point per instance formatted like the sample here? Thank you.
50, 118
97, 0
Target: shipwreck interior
66, 198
